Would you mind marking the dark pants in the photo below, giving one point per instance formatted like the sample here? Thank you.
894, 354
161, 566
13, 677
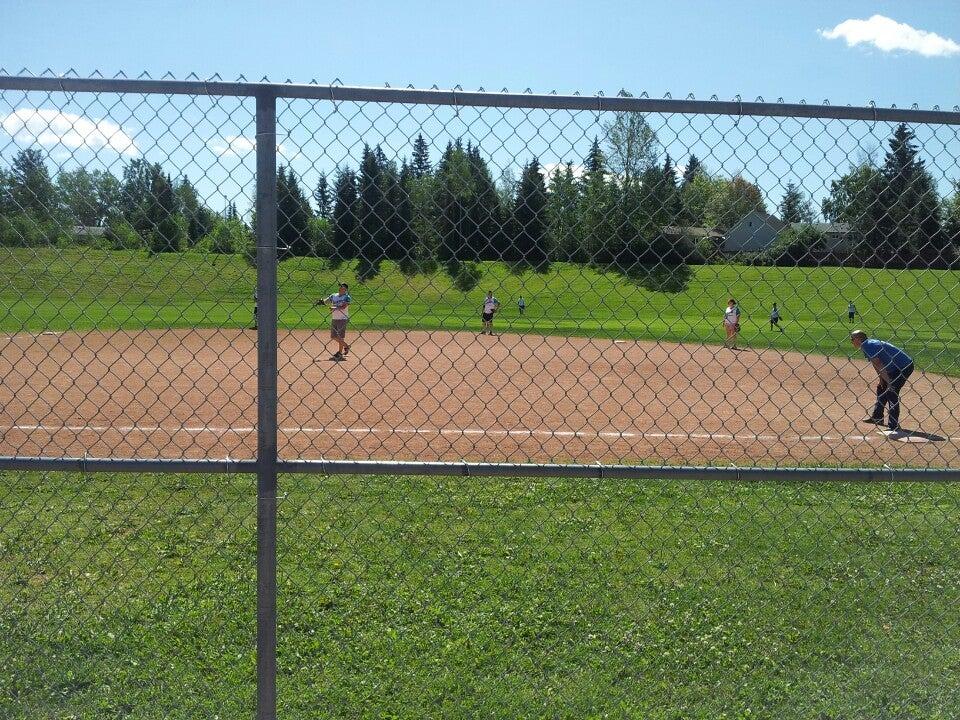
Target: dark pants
890, 395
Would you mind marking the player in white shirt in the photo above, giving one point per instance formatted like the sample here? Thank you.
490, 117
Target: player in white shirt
731, 323
490, 306
339, 314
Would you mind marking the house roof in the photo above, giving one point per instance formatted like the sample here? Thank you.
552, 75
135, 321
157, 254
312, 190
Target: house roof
89, 230
767, 218
692, 231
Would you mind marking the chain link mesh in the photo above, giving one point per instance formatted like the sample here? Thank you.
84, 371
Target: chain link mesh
129, 282
522, 284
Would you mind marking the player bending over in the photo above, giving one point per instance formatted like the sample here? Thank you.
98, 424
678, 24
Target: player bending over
894, 367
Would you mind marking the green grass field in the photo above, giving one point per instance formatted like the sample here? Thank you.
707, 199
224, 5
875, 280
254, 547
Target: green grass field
127, 596
85, 288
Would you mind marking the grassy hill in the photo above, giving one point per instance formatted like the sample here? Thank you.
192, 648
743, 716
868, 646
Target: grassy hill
84, 288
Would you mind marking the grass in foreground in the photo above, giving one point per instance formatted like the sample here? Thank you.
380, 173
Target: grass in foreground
85, 289
133, 596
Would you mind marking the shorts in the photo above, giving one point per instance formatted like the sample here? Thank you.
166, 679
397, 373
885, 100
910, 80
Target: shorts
487, 317
338, 329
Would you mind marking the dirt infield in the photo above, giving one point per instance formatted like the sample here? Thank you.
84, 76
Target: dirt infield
451, 396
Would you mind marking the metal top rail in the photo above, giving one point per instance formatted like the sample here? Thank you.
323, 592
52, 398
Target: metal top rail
482, 469
462, 98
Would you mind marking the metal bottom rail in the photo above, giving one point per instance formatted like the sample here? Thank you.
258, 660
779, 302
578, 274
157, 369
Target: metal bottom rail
471, 469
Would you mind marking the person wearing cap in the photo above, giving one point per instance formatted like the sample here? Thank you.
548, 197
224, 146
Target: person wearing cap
339, 314
894, 367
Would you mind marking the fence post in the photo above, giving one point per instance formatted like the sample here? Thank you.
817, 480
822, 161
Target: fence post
267, 405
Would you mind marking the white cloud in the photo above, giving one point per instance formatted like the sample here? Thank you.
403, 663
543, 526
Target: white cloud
235, 145
547, 170
50, 127
889, 35
287, 152
240, 145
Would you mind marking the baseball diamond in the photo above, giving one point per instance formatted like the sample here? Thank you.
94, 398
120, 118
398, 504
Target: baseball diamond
191, 393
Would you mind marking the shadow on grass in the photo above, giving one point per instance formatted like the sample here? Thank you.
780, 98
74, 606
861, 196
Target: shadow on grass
661, 278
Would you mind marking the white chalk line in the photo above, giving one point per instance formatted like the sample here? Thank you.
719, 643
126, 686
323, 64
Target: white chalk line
51, 333
493, 432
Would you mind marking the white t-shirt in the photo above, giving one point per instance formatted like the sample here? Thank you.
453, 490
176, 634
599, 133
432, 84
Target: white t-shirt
731, 315
339, 304
490, 305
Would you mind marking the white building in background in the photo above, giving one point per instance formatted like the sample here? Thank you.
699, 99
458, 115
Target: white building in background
836, 237
755, 232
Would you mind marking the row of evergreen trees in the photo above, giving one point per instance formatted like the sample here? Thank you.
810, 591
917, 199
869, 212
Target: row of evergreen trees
895, 214
144, 209
454, 212
614, 210
619, 207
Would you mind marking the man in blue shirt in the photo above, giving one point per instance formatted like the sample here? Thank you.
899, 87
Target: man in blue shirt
894, 367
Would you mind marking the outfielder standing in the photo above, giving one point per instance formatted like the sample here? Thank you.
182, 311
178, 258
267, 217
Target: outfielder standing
775, 318
490, 306
731, 324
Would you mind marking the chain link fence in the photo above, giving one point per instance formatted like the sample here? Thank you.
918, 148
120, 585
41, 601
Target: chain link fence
376, 292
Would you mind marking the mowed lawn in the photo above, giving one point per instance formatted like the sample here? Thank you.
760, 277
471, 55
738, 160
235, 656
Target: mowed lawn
125, 596
82, 289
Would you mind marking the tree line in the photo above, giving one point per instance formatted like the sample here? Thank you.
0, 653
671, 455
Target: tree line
145, 209
620, 207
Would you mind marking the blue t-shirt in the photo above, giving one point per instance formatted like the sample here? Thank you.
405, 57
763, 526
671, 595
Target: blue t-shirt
892, 358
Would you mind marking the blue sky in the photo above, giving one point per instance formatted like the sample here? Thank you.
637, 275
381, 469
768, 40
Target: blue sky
752, 47
768, 49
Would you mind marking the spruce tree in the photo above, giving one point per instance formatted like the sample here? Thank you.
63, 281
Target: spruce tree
454, 196
694, 167
293, 217
795, 208
530, 219
904, 221
421, 167
199, 218
321, 195
370, 217
595, 162
31, 188
482, 212
168, 231
671, 193
597, 206
562, 211
345, 211
404, 245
